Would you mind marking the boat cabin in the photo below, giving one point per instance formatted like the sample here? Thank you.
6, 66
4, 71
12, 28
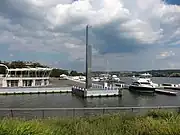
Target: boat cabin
139, 83
169, 85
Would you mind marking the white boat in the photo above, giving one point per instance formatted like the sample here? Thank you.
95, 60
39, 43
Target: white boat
25, 77
170, 86
115, 78
82, 78
146, 77
63, 77
78, 78
142, 85
95, 79
104, 77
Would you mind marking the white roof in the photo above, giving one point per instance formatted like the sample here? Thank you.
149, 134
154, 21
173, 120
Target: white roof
30, 69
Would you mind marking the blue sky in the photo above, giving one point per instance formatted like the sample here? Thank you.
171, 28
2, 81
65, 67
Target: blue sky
174, 2
130, 35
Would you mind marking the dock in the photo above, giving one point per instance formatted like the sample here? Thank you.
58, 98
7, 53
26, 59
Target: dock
56, 86
172, 88
96, 92
64, 86
40, 90
166, 92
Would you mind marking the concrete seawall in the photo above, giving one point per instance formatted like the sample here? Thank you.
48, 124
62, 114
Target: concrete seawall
6, 91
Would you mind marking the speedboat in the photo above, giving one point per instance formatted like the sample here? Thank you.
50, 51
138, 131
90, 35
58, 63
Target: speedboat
95, 79
142, 85
170, 86
146, 77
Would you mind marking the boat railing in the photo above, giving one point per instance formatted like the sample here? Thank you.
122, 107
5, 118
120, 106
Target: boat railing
31, 113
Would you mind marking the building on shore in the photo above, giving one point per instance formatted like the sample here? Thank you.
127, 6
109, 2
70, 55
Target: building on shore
25, 77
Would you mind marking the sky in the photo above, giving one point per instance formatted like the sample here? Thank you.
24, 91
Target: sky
125, 34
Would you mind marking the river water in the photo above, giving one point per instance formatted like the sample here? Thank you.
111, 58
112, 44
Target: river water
69, 101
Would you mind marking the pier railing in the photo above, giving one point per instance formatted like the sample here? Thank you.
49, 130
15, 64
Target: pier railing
30, 113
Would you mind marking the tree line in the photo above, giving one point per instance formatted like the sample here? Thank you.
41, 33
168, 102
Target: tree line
56, 72
22, 64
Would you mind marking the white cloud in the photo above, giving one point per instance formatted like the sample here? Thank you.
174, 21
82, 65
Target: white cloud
166, 54
119, 27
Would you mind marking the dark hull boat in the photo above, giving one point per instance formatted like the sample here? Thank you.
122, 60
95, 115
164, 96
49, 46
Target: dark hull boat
142, 89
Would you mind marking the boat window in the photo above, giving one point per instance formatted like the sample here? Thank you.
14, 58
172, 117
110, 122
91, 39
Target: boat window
135, 83
166, 84
145, 83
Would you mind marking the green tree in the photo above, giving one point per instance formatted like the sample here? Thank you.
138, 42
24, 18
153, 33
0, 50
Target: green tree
58, 72
17, 64
74, 73
37, 64
2, 70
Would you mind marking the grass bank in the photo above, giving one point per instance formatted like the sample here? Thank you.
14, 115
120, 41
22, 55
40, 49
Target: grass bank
153, 123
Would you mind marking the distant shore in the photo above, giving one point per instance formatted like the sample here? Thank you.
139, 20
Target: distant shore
56, 72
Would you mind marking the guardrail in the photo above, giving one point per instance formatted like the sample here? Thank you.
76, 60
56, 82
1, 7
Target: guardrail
30, 113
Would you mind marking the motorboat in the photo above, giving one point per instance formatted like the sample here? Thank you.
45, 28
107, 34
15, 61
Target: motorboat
170, 86
146, 77
95, 79
142, 85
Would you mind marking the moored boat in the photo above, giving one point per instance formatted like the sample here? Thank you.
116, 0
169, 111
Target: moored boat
146, 77
142, 85
170, 86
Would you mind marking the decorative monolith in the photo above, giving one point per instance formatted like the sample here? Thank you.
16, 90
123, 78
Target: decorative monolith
88, 61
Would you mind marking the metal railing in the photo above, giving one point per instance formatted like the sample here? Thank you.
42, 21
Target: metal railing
30, 113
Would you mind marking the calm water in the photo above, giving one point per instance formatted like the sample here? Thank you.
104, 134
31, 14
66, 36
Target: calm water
67, 100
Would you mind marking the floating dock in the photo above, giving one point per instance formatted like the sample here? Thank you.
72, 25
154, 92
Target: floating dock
38, 90
96, 92
166, 92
